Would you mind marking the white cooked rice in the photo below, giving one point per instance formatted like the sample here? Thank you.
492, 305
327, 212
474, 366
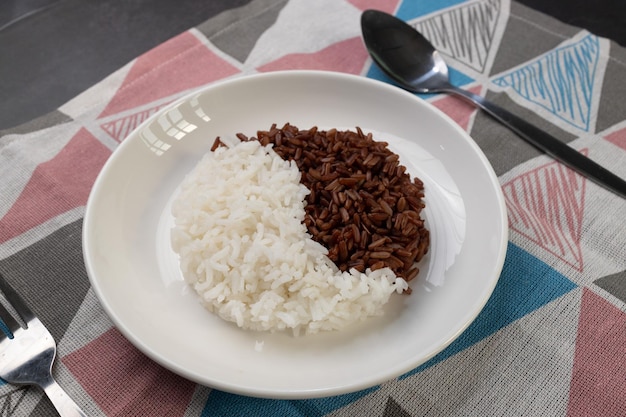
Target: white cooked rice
244, 249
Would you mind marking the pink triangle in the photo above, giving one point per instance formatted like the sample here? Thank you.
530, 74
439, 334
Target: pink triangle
598, 386
546, 206
110, 364
346, 56
618, 138
57, 185
459, 110
382, 5
179, 64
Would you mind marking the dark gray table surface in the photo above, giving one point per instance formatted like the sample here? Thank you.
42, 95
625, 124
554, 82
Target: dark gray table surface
52, 50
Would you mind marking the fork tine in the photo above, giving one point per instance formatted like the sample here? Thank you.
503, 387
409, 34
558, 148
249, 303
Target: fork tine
9, 322
16, 301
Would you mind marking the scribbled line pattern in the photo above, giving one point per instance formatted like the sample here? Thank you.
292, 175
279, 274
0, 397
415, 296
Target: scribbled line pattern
120, 127
561, 81
9, 402
546, 206
465, 33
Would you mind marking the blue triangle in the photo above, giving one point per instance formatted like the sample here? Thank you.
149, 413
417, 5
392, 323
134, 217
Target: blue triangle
224, 404
412, 9
561, 81
456, 77
526, 284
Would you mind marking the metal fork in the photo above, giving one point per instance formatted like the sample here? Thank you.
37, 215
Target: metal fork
27, 353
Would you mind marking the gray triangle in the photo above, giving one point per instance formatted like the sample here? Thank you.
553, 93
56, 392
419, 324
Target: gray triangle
10, 402
53, 118
393, 409
235, 33
523, 23
610, 110
614, 284
465, 33
43, 408
54, 266
504, 149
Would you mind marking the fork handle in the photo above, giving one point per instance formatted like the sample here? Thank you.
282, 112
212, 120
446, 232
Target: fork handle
65, 406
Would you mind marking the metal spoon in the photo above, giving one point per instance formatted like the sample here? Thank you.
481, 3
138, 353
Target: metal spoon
409, 59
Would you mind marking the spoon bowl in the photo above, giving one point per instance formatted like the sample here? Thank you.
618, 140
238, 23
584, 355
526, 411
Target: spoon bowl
403, 53
412, 61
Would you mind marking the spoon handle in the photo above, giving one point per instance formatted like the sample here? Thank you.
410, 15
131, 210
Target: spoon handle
547, 143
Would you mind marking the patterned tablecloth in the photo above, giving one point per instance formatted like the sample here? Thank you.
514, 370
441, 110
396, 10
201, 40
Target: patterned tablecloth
550, 341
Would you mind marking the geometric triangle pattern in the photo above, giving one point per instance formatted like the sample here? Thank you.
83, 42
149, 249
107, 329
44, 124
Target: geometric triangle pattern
393, 409
10, 401
474, 382
96, 371
498, 374
167, 70
305, 36
563, 81
225, 404
119, 127
598, 385
410, 10
465, 33
525, 285
224, 28
549, 341
459, 110
56, 186
32, 149
382, 5
618, 138
614, 284
546, 206
347, 56
457, 77
52, 276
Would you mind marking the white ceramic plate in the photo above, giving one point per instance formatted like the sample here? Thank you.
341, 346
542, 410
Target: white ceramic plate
135, 273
